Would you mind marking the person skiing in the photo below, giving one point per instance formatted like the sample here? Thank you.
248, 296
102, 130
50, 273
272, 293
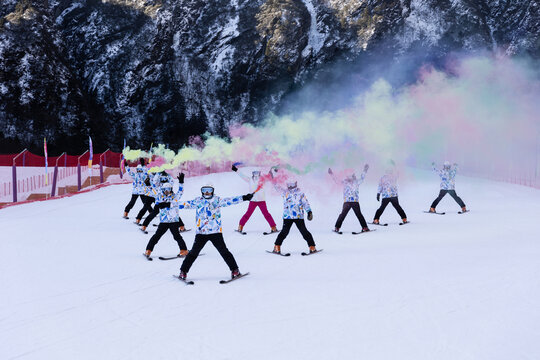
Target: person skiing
295, 203
157, 182
208, 219
168, 219
255, 187
137, 177
146, 197
351, 198
448, 185
388, 189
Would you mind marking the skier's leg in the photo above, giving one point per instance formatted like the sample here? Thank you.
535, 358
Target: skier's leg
131, 202
301, 225
198, 244
251, 208
287, 223
219, 244
266, 214
344, 212
438, 199
456, 197
162, 228
358, 213
395, 203
150, 217
178, 238
146, 206
380, 210
180, 222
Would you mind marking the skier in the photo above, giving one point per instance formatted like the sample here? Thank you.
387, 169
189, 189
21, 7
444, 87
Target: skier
168, 219
351, 198
294, 204
255, 182
157, 182
146, 197
388, 190
137, 178
448, 185
208, 219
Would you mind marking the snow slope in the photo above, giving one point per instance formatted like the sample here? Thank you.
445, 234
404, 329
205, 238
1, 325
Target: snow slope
75, 285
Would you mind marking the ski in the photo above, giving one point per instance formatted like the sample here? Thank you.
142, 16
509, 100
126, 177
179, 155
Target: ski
311, 253
270, 233
147, 257
174, 257
241, 232
186, 230
338, 232
236, 278
403, 223
155, 225
361, 232
437, 213
379, 224
144, 231
463, 212
278, 253
125, 217
187, 282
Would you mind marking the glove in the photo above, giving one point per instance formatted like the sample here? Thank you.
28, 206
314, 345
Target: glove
247, 197
163, 205
378, 197
180, 178
147, 181
310, 215
366, 167
234, 168
330, 171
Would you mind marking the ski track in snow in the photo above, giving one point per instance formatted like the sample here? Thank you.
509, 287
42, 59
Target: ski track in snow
75, 283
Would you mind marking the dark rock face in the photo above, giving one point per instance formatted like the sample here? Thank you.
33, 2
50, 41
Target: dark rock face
163, 70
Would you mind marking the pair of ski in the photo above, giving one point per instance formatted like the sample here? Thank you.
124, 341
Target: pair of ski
386, 224
289, 254
191, 282
442, 213
149, 258
146, 231
264, 233
355, 232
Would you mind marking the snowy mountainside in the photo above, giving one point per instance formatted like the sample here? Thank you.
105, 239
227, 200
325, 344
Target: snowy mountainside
163, 70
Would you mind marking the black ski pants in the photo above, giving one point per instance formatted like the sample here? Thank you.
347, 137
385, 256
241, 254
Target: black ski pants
147, 206
161, 230
452, 193
199, 243
131, 202
356, 208
154, 213
395, 203
301, 225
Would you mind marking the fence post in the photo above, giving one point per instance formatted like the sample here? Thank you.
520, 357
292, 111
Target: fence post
53, 191
78, 177
101, 172
14, 170
120, 169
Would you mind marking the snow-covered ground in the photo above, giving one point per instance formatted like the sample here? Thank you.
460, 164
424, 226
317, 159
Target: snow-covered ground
74, 284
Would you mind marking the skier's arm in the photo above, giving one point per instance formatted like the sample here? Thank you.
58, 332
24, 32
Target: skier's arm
363, 175
178, 194
191, 204
243, 176
434, 167
305, 203
224, 202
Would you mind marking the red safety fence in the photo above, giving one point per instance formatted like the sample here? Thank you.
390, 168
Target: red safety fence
26, 158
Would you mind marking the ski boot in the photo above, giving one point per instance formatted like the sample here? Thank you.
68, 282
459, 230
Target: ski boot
312, 249
183, 253
143, 229
125, 215
277, 249
464, 209
240, 228
432, 210
376, 221
235, 273
273, 229
147, 253
183, 275
365, 229
404, 221
137, 221
182, 228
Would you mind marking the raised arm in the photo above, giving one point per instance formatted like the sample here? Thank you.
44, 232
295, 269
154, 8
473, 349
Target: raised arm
333, 176
228, 201
191, 204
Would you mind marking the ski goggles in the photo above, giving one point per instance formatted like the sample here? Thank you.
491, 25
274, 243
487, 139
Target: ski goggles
207, 190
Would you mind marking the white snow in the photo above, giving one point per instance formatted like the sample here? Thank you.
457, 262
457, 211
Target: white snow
224, 50
423, 23
69, 9
75, 285
316, 39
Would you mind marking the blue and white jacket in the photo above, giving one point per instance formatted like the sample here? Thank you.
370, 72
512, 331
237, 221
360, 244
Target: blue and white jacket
138, 180
351, 188
208, 212
388, 186
295, 202
170, 214
448, 177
